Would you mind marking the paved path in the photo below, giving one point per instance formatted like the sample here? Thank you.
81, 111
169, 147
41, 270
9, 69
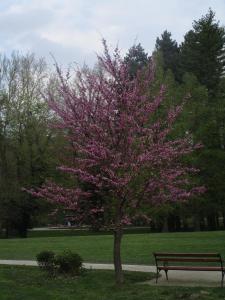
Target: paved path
176, 278
140, 268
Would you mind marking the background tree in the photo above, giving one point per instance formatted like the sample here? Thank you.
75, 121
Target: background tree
26, 142
202, 66
136, 59
119, 147
170, 53
202, 54
203, 51
193, 119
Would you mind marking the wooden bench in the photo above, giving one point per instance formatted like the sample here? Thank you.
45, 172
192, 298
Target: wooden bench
199, 262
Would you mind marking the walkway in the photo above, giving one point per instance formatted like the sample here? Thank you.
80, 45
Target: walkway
176, 278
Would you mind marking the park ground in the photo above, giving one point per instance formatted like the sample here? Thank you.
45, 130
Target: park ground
136, 248
31, 283
28, 283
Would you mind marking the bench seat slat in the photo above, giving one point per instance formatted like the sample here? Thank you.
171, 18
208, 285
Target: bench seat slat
190, 268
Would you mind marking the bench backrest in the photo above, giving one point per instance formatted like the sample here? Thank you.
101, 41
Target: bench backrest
187, 254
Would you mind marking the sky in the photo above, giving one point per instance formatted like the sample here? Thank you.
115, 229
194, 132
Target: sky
71, 30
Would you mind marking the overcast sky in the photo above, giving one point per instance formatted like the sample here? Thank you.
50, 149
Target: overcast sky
72, 29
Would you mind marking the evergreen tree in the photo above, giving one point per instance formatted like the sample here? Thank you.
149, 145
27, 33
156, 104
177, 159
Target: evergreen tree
169, 51
203, 52
136, 59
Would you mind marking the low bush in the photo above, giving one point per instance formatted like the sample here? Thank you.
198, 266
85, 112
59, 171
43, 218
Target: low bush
46, 260
68, 263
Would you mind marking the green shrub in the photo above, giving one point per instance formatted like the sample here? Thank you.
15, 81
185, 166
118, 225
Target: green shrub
68, 263
46, 260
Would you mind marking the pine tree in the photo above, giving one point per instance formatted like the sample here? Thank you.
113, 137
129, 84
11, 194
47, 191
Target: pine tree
169, 51
203, 52
136, 59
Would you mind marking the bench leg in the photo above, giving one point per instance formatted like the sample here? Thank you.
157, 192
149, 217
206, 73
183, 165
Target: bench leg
157, 276
166, 271
222, 278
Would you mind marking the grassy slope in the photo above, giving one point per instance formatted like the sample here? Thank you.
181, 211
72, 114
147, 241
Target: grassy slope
136, 248
27, 283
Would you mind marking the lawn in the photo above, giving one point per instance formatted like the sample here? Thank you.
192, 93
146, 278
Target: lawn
136, 248
27, 283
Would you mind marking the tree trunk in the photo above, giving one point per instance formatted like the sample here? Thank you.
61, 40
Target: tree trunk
7, 231
217, 221
171, 222
211, 220
177, 223
223, 216
24, 224
117, 256
196, 221
184, 223
165, 227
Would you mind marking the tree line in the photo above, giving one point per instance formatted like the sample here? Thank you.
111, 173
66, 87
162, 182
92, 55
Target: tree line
195, 68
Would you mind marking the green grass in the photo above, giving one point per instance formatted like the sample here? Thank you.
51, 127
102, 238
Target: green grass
28, 283
136, 248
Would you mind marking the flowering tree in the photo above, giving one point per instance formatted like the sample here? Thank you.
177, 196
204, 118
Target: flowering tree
121, 152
